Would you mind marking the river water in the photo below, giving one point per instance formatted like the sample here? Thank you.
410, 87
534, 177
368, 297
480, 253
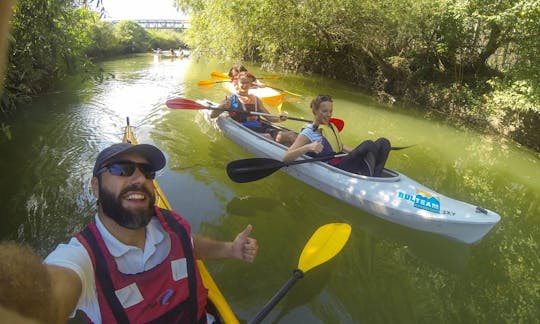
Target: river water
385, 274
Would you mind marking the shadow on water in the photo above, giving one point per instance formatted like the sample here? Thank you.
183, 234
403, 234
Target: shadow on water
373, 243
440, 251
310, 288
243, 206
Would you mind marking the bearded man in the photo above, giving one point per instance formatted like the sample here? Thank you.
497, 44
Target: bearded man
135, 262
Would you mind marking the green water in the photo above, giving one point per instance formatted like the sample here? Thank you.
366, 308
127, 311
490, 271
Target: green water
385, 274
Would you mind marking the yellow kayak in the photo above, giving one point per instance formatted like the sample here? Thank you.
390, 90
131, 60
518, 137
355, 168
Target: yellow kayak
217, 305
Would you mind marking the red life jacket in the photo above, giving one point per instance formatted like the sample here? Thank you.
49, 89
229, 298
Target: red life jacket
169, 295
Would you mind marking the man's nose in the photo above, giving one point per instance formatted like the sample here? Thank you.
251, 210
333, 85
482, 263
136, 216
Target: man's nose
138, 176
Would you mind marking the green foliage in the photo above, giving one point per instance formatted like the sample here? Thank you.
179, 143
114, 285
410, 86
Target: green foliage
132, 37
218, 20
398, 49
102, 40
525, 49
514, 110
440, 39
47, 44
166, 39
514, 95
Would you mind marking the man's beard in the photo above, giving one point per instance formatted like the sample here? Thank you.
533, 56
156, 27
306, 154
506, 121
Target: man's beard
132, 219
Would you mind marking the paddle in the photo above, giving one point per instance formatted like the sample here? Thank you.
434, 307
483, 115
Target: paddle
247, 170
339, 123
212, 82
324, 244
283, 90
219, 75
397, 148
224, 76
182, 103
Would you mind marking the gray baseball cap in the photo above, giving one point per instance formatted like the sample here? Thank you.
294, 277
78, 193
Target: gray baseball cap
152, 154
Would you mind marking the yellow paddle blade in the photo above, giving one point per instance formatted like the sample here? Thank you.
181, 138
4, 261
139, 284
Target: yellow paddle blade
324, 244
273, 100
270, 77
219, 76
206, 82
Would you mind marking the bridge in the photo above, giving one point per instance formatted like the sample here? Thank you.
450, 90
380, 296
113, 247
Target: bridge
159, 23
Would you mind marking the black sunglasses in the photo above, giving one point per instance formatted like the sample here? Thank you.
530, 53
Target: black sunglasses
127, 168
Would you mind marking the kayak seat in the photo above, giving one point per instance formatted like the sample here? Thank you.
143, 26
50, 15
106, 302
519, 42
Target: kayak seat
283, 135
286, 137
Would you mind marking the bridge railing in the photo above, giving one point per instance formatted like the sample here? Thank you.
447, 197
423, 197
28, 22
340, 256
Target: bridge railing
159, 23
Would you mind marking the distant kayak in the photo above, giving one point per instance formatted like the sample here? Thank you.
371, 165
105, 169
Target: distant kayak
169, 54
393, 196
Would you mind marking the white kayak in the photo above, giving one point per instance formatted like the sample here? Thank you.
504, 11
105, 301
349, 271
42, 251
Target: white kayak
393, 197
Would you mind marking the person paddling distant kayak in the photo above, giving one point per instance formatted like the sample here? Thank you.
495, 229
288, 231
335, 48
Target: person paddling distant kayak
322, 139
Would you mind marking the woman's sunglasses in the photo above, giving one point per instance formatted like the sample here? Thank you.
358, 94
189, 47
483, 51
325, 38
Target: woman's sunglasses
127, 168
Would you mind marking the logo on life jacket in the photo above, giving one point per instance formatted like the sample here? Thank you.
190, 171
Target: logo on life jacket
423, 200
165, 296
163, 299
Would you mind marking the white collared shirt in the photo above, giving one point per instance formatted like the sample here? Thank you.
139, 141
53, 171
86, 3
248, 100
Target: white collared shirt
129, 259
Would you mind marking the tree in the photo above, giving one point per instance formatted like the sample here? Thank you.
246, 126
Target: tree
47, 45
102, 40
445, 55
132, 37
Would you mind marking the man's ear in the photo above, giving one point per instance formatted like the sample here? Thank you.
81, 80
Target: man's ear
95, 187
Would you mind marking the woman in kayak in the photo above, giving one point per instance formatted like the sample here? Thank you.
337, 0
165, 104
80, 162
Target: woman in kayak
244, 102
322, 139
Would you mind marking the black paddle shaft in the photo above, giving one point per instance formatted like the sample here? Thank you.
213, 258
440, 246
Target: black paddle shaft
248, 170
297, 274
256, 113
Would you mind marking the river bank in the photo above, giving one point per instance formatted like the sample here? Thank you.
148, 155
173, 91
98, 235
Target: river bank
478, 63
505, 114
509, 115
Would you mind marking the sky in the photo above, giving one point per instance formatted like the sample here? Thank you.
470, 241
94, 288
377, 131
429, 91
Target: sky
141, 9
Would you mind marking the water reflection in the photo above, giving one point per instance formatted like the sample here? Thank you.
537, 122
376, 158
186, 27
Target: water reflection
247, 205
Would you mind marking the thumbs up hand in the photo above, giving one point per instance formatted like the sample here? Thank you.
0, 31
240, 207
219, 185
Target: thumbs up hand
244, 247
